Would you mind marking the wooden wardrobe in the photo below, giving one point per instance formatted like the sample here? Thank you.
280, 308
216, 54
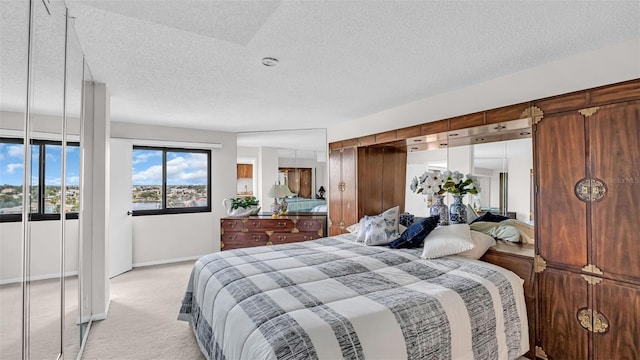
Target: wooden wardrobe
587, 168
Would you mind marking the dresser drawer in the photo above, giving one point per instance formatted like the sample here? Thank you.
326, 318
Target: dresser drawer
309, 225
232, 225
279, 225
285, 238
242, 240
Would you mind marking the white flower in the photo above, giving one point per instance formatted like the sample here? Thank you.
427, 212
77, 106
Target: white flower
414, 184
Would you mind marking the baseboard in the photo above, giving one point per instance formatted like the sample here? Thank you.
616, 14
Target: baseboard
38, 277
167, 261
103, 315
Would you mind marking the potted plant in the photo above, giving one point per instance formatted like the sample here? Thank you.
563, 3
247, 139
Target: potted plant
242, 206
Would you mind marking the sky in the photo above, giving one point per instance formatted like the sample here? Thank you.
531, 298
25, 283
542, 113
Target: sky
11, 164
182, 168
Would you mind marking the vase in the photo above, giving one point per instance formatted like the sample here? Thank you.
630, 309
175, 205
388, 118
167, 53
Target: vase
440, 209
458, 211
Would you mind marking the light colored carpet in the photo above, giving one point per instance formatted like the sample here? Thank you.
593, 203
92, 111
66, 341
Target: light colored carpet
142, 321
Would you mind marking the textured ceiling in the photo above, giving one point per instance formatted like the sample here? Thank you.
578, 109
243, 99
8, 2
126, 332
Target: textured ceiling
198, 63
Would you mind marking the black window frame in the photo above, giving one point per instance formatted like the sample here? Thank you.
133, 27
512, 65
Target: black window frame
40, 215
183, 210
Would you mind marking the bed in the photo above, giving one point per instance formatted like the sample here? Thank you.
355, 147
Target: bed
333, 298
297, 204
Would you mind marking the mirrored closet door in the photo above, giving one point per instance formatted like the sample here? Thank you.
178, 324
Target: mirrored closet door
45, 269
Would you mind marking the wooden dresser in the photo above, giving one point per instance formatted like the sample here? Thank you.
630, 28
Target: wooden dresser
247, 231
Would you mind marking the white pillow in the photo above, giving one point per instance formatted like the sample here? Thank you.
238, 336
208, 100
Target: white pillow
447, 240
482, 243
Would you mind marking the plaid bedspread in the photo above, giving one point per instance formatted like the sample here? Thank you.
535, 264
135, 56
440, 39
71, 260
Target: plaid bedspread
332, 298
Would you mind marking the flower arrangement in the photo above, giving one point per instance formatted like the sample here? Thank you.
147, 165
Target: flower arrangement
432, 183
244, 202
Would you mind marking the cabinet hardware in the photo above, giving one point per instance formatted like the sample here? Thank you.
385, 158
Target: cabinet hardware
586, 112
592, 269
341, 186
295, 230
269, 242
590, 189
592, 279
221, 245
539, 264
592, 321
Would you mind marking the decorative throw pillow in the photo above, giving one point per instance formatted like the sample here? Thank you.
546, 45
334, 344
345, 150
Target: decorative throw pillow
489, 217
374, 230
387, 222
354, 228
447, 240
415, 234
482, 243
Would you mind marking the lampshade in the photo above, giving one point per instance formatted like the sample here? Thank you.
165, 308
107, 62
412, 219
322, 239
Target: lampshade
279, 191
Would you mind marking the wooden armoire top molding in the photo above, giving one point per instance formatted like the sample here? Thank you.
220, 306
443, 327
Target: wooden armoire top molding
619, 92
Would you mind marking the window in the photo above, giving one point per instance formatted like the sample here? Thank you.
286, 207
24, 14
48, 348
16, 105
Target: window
45, 186
170, 181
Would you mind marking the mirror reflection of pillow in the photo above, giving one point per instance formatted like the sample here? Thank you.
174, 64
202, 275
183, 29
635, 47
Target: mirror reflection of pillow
526, 230
489, 217
497, 230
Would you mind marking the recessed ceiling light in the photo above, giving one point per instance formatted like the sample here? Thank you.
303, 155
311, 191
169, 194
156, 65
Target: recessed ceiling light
269, 61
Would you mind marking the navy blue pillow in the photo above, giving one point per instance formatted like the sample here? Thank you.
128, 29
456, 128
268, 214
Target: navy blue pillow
489, 217
415, 234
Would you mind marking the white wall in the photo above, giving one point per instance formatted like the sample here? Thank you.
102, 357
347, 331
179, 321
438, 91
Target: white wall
166, 238
591, 69
45, 243
267, 174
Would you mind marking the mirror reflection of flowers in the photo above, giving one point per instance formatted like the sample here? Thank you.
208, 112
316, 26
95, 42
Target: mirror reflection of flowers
437, 183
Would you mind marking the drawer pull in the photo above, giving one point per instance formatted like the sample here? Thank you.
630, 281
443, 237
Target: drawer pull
282, 224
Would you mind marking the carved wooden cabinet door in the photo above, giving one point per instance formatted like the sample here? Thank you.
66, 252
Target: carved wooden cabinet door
614, 154
561, 164
588, 233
